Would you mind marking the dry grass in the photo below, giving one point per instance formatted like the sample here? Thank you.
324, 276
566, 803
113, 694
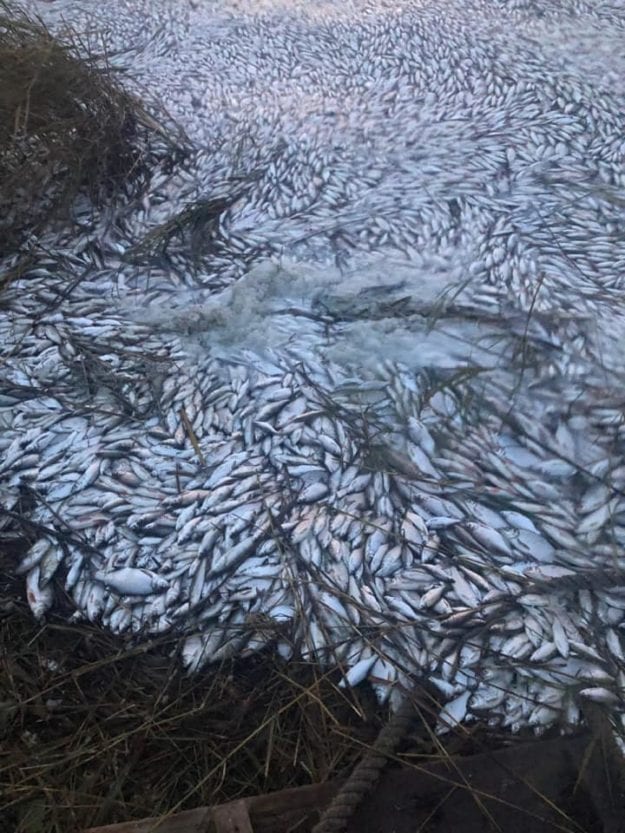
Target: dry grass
94, 730
66, 127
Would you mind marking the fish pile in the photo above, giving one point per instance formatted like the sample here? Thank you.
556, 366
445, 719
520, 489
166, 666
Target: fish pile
368, 409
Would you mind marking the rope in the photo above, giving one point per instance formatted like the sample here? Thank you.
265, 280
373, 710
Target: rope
367, 772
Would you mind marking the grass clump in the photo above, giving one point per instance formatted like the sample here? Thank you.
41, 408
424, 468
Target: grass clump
66, 127
94, 731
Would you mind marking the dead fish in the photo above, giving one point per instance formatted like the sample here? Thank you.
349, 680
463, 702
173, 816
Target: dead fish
132, 581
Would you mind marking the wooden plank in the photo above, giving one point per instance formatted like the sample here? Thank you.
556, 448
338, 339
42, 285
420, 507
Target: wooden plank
232, 818
522, 786
272, 812
294, 809
189, 821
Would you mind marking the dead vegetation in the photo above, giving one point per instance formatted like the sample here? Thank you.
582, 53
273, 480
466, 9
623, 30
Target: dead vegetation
96, 729
93, 730
67, 127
